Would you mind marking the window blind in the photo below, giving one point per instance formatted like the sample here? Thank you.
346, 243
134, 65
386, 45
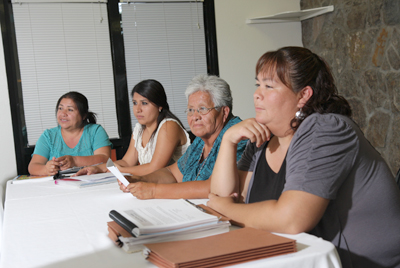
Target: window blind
64, 47
165, 42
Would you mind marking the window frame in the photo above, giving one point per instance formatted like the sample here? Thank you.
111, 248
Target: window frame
23, 152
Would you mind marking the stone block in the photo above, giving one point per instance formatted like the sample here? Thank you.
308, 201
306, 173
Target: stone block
391, 11
393, 58
380, 47
377, 135
359, 48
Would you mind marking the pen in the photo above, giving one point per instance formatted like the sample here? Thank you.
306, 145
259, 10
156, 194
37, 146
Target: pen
57, 181
196, 206
61, 173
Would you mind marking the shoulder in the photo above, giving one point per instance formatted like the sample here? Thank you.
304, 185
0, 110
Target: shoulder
51, 132
136, 130
95, 131
326, 126
233, 121
171, 128
197, 143
334, 121
93, 128
169, 123
323, 135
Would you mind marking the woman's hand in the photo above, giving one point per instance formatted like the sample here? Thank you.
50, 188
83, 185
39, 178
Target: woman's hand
122, 187
66, 161
52, 167
248, 129
89, 171
142, 190
132, 179
221, 203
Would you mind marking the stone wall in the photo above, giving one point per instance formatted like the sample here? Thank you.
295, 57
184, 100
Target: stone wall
360, 40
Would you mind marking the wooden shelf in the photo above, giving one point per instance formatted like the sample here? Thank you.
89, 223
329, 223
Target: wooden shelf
291, 16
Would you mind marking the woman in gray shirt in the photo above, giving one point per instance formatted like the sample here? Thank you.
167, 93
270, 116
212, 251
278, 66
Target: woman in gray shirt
316, 173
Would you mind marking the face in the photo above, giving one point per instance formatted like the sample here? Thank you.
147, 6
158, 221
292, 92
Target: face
209, 125
275, 103
145, 111
68, 115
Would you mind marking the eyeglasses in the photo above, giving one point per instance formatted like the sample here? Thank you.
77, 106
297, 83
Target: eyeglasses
201, 110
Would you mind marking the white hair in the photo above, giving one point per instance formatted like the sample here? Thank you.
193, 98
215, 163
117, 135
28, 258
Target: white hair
218, 89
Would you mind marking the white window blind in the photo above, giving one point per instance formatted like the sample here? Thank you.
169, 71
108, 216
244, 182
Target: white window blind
165, 42
64, 47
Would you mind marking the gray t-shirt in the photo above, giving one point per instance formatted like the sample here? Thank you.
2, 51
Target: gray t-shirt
330, 157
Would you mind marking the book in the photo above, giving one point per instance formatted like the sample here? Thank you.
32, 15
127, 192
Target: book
87, 180
131, 244
234, 247
123, 238
165, 218
30, 179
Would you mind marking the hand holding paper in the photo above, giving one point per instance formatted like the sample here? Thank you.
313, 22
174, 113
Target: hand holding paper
114, 170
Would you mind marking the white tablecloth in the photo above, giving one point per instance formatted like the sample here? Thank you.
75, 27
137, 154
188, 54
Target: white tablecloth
54, 226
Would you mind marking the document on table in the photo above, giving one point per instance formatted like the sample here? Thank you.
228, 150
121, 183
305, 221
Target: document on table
29, 179
87, 180
167, 217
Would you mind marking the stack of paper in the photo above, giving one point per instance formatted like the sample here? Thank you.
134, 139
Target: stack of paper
132, 244
87, 180
242, 245
170, 221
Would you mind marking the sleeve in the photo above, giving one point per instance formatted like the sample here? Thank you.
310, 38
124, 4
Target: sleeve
43, 146
248, 159
100, 138
321, 155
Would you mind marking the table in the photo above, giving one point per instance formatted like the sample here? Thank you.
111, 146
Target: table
46, 225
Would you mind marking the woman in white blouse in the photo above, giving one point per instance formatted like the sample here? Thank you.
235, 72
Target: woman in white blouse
158, 140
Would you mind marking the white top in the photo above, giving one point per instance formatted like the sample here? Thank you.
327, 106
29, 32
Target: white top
146, 154
46, 225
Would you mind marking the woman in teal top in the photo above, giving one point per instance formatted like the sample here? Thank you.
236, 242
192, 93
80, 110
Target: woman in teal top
76, 141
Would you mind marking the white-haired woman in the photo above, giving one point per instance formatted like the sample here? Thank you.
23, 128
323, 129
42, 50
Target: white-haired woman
209, 114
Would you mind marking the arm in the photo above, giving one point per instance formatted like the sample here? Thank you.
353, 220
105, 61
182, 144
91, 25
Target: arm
189, 189
159, 184
292, 213
170, 174
226, 176
169, 137
40, 165
100, 155
130, 159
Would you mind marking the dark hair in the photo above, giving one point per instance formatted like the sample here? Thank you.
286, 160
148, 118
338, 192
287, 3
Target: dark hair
298, 67
155, 93
82, 104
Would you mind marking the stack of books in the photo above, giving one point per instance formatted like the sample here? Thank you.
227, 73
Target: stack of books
169, 221
238, 246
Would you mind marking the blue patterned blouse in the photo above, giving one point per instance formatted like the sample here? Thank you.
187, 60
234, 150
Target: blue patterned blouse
189, 164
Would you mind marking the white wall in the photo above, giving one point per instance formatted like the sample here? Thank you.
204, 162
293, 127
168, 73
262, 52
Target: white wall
240, 44
8, 165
